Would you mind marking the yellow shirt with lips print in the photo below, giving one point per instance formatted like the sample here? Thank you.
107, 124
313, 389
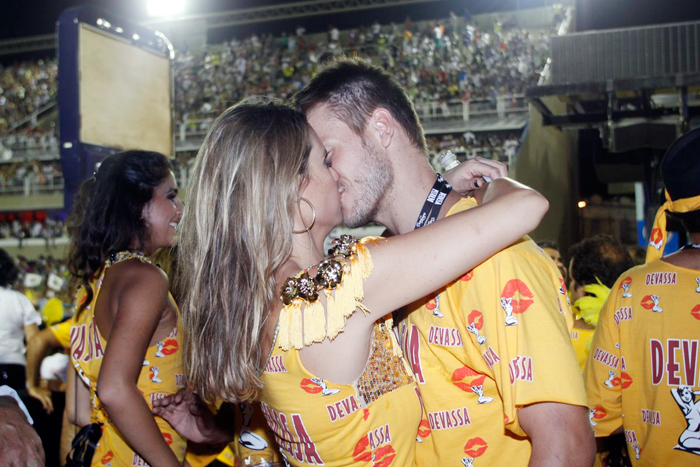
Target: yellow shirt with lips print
642, 372
493, 341
160, 376
371, 422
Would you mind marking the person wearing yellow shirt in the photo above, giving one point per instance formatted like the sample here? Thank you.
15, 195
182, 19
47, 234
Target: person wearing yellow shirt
520, 402
595, 265
642, 372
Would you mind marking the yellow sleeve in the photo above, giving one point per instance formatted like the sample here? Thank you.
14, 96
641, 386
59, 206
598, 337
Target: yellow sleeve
527, 325
62, 333
604, 396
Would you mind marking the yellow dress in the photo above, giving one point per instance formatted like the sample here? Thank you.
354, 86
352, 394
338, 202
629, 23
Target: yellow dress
160, 376
371, 422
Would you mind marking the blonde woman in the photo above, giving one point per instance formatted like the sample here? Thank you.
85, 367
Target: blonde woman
265, 318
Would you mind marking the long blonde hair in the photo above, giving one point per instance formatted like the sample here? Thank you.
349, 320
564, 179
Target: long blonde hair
235, 234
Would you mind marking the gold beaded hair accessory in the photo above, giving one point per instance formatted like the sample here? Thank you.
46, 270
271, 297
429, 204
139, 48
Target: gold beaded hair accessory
340, 278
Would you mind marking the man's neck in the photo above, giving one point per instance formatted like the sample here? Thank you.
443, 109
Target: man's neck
688, 258
409, 192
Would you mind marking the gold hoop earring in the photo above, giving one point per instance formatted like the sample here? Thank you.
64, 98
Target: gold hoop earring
313, 221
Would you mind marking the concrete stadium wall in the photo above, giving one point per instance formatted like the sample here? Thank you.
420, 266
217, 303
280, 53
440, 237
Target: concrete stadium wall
35, 247
15, 203
546, 162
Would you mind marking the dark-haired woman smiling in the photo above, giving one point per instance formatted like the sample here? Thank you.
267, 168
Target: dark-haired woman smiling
124, 340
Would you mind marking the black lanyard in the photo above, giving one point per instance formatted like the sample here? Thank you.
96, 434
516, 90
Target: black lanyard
434, 201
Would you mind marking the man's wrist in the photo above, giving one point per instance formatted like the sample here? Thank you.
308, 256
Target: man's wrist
10, 399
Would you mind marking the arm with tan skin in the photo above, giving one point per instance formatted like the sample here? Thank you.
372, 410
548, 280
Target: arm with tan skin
417, 263
560, 434
37, 348
143, 298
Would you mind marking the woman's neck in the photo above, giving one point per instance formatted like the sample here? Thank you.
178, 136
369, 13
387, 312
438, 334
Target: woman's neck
307, 248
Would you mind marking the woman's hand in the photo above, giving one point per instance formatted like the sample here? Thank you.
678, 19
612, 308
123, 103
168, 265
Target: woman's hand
43, 395
470, 175
190, 417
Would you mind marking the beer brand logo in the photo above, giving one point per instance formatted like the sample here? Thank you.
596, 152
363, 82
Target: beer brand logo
107, 458
521, 369
445, 337
166, 347
516, 287
373, 447
468, 276
410, 343
678, 360
343, 408
475, 322
624, 380
596, 413
474, 448
516, 298
491, 357
423, 430
651, 302
464, 378
661, 278
308, 386
656, 239
695, 312
433, 305
625, 286
623, 313
652, 417
469, 380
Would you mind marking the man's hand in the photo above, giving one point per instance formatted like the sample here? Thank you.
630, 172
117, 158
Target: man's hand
20, 446
469, 176
190, 417
43, 395
560, 434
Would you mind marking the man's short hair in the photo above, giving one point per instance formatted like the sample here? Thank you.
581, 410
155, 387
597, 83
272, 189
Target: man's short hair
353, 89
602, 257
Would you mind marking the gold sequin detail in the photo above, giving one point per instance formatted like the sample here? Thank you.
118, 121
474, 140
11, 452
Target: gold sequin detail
385, 371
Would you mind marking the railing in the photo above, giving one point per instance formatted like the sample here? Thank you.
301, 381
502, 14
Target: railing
34, 116
454, 110
23, 147
32, 185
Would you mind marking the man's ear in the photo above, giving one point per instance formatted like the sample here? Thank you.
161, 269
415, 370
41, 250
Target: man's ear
382, 124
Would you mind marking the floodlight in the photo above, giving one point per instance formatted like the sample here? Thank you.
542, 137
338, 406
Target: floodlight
165, 7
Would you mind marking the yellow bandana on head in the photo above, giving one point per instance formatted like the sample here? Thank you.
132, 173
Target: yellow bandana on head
657, 238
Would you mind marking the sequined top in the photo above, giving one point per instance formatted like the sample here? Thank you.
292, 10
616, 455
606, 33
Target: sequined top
160, 376
373, 421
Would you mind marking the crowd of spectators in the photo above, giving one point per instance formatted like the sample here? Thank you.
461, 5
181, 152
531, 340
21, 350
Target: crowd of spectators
47, 228
39, 173
435, 62
26, 87
439, 60
497, 145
